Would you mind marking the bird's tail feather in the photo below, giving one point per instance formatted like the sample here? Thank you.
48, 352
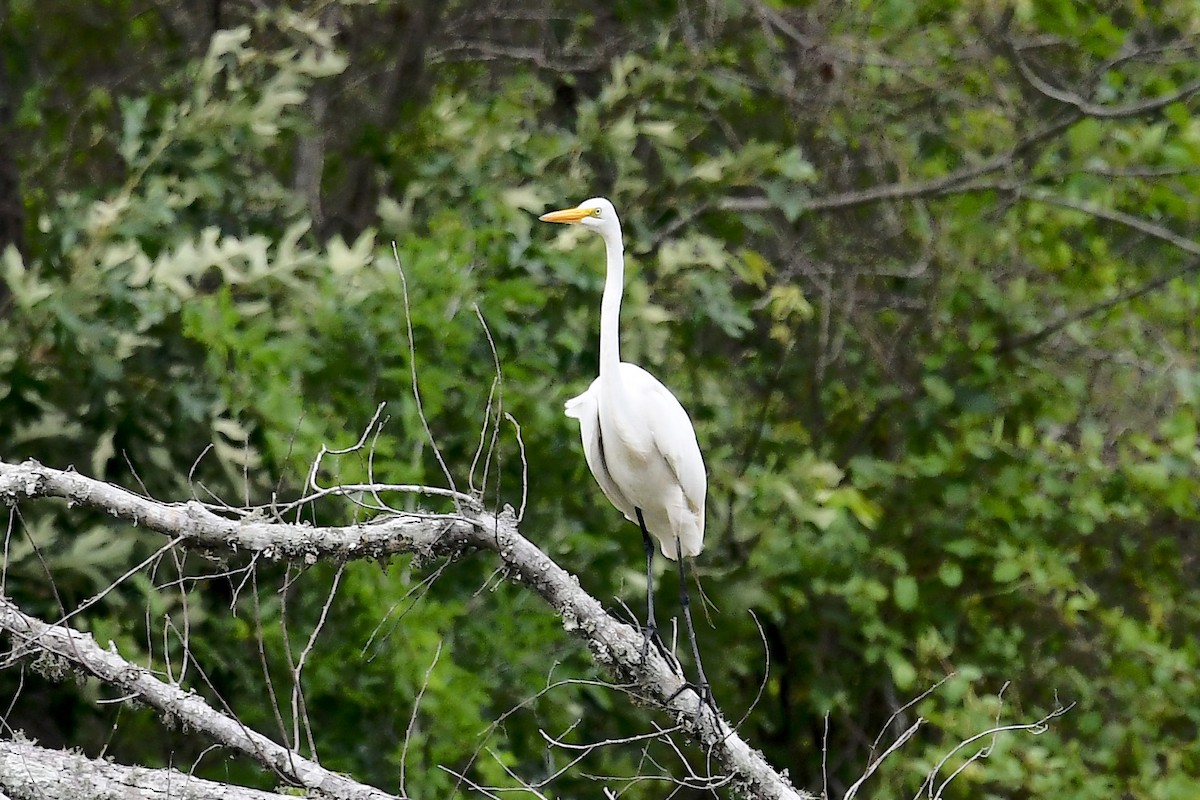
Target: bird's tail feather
577, 406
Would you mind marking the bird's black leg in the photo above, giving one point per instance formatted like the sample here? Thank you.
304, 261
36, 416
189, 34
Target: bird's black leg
651, 629
702, 687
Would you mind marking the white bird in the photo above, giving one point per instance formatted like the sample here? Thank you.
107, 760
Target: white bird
637, 438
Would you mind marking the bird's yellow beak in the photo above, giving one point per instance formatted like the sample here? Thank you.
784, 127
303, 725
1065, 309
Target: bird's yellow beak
567, 215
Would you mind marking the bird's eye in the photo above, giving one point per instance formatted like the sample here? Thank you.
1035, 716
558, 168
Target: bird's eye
595, 212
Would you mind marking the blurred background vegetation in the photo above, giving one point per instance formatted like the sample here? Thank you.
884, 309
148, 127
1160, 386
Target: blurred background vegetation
924, 273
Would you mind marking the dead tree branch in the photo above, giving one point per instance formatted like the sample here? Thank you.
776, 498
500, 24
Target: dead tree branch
32, 637
1071, 98
615, 645
27, 770
960, 180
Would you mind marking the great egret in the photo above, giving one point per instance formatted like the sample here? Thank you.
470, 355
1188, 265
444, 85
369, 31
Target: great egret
637, 438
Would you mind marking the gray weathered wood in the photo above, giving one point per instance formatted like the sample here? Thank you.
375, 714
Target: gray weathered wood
27, 770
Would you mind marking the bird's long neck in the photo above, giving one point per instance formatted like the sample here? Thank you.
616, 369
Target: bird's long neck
610, 308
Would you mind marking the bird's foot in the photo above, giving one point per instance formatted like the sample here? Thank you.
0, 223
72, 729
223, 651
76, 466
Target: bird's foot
703, 691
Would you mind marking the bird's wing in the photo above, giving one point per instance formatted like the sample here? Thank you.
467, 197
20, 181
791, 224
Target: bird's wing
586, 409
674, 436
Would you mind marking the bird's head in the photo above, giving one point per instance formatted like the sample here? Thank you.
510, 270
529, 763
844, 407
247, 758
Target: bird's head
597, 214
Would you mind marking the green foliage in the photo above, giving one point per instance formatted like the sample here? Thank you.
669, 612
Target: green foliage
949, 429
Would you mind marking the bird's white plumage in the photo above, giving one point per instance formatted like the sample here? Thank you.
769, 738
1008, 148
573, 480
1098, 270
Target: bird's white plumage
664, 475
637, 438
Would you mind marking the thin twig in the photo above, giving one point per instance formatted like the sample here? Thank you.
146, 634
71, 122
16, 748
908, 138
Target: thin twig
412, 363
1035, 728
297, 691
412, 719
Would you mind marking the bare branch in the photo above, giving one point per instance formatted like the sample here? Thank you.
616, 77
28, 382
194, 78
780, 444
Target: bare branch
412, 720
27, 770
1190, 246
1091, 109
614, 644
905, 707
412, 363
874, 765
298, 701
957, 181
1033, 728
425, 535
524, 465
371, 486
32, 636
1099, 308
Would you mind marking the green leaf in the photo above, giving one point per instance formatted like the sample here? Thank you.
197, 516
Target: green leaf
904, 674
950, 573
938, 389
904, 590
1006, 571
